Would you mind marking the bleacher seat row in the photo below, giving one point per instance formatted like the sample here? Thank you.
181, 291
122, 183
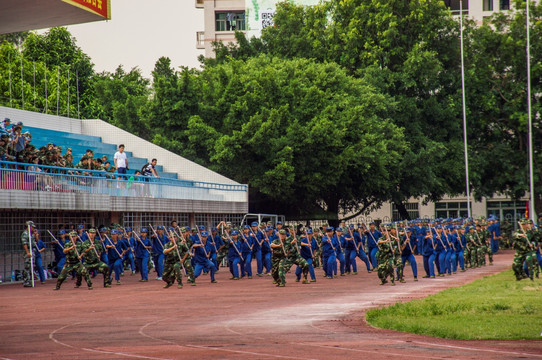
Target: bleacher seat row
79, 143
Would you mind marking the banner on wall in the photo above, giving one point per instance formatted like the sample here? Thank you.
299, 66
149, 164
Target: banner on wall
98, 7
260, 13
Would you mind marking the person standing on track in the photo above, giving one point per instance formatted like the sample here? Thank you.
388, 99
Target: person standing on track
143, 248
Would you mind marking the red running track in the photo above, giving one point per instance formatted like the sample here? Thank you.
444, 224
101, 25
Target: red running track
245, 319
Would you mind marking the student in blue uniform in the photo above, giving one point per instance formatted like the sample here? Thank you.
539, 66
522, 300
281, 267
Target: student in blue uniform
308, 247
430, 245
246, 252
115, 252
143, 248
234, 254
219, 244
158, 243
58, 250
101, 235
372, 243
130, 243
361, 240
266, 249
81, 233
350, 251
328, 253
450, 250
257, 237
409, 243
459, 241
39, 247
440, 248
202, 250
339, 248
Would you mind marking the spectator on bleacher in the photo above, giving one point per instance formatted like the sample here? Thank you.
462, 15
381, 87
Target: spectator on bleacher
4, 148
68, 152
110, 169
121, 161
150, 169
84, 163
18, 141
89, 154
104, 159
5, 126
41, 180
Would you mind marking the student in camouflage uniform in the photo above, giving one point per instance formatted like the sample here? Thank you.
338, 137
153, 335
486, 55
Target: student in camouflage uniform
472, 246
294, 257
397, 260
506, 231
26, 238
318, 252
523, 247
91, 250
279, 253
385, 260
73, 263
486, 246
187, 263
176, 253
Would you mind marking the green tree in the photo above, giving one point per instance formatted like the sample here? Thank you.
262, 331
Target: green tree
497, 102
408, 50
309, 139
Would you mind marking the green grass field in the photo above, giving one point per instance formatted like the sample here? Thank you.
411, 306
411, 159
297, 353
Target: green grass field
496, 307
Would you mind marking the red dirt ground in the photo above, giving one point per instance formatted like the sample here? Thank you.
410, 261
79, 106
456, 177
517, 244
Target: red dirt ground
245, 319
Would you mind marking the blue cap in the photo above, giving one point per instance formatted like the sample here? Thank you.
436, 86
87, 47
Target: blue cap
114, 232
62, 232
235, 232
279, 222
80, 227
246, 227
309, 231
254, 223
204, 234
329, 228
407, 229
339, 229
438, 226
214, 229
351, 226
187, 228
144, 230
372, 223
201, 228
103, 229
269, 228
128, 229
160, 227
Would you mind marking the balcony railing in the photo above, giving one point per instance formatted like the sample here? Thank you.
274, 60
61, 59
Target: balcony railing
30, 177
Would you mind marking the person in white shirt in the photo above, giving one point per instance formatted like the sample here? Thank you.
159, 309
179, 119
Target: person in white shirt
121, 161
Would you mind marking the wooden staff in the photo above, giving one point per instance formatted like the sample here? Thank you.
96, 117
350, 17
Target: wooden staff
235, 247
157, 237
31, 250
58, 241
114, 247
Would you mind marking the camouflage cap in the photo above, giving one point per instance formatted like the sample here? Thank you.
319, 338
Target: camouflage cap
30, 223
183, 229
73, 233
92, 231
282, 232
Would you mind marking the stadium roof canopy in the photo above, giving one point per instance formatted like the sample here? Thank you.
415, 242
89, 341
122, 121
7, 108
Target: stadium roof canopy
23, 15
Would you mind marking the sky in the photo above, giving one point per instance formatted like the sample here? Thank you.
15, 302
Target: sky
141, 31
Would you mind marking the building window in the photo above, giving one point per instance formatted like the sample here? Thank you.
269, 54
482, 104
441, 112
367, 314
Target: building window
451, 209
200, 39
412, 209
454, 6
505, 4
230, 21
510, 211
488, 5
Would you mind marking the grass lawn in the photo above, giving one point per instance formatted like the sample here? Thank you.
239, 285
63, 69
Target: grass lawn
496, 307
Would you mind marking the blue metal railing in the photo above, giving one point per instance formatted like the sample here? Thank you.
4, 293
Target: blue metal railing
22, 176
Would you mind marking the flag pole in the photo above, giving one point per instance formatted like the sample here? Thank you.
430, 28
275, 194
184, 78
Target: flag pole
531, 172
464, 110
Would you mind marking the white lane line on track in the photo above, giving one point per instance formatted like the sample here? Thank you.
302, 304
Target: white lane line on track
202, 347
52, 337
475, 349
373, 352
3, 358
248, 352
